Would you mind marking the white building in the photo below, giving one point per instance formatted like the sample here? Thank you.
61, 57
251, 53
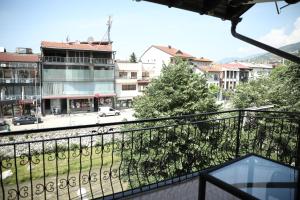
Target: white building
157, 56
257, 70
127, 86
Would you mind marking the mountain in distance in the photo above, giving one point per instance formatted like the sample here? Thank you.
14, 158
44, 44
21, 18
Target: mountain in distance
267, 57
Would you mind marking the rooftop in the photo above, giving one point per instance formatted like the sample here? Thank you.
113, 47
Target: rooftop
202, 60
173, 52
92, 46
15, 57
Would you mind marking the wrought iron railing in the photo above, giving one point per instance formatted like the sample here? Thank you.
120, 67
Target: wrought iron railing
79, 60
118, 159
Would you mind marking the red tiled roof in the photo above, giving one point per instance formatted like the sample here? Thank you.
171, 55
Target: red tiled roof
15, 57
74, 45
201, 59
173, 52
235, 66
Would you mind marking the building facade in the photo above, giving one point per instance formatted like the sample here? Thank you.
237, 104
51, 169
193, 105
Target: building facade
19, 83
127, 88
257, 70
77, 76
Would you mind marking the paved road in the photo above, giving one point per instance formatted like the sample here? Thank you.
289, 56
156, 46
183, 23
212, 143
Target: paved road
51, 121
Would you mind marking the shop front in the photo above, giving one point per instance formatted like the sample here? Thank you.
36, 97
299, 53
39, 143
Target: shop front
124, 102
104, 100
81, 105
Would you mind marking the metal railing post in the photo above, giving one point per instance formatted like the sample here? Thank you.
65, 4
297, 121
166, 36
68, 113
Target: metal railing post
238, 135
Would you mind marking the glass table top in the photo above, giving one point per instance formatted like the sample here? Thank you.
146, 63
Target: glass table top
259, 177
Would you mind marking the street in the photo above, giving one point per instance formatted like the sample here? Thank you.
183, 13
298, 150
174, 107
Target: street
52, 121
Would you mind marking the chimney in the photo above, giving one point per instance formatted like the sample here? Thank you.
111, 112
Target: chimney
169, 46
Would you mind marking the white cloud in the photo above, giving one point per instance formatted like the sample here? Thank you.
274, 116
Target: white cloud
276, 38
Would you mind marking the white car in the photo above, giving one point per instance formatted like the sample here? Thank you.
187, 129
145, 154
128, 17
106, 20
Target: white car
106, 111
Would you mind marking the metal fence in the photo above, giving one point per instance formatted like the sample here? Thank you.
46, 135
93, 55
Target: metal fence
119, 159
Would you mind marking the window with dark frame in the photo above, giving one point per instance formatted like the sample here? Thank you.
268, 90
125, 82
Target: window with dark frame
128, 87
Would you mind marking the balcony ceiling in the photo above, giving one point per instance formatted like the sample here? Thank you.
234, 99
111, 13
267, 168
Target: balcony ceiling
224, 9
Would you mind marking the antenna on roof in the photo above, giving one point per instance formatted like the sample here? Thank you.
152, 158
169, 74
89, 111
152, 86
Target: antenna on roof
67, 39
106, 37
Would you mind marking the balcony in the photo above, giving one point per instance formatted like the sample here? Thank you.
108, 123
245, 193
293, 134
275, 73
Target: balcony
20, 80
123, 159
77, 60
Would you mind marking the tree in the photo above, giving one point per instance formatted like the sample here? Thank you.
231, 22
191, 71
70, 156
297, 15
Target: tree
280, 89
178, 91
132, 58
169, 148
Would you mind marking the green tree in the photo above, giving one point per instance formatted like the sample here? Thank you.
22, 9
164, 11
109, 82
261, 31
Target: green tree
280, 89
178, 91
169, 148
132, 58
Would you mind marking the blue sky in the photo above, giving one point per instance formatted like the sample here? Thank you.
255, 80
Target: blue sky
137, 25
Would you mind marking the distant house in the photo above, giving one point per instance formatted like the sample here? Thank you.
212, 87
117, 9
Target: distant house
157, 56
257, 70
201, 62
226, 76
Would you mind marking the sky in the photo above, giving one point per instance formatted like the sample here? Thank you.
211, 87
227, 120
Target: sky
138, 25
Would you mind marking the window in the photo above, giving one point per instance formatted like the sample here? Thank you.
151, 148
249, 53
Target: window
216, 77
234, 75
231, 74
123, 74
227, 74
133, 75
145, 74
128, 87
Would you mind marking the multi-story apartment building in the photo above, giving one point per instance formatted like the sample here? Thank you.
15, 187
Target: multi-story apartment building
77, 76
127, 87
19, 82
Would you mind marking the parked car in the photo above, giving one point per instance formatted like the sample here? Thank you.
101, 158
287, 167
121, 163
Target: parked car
28, 119
105, 111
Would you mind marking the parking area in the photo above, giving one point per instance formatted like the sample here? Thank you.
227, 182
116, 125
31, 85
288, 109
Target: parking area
51, 121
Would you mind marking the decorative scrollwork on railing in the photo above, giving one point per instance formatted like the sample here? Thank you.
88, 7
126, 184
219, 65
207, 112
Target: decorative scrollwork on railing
114, 173
40, 188
85, 179
51, 156
85, 151
72, 181
50, 187
107, 148
106, 175
61, 155
35, 158
76, 152
93, 177
14, 194
63, 183
98, 148
24, 159
119, 146
6, 162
